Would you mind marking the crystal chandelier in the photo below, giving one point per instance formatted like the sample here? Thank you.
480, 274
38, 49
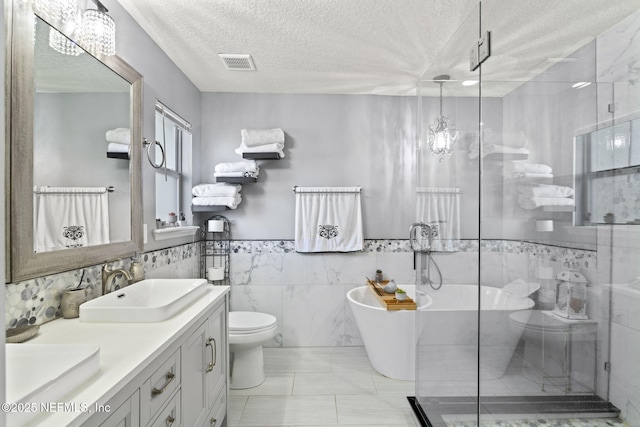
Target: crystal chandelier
441, 138
95, 29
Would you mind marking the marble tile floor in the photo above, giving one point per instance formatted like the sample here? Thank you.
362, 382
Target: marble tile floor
320, 386
336, 386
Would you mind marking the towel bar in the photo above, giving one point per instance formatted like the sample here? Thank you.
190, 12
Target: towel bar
356, 189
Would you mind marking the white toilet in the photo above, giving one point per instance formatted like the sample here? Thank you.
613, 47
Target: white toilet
248, 331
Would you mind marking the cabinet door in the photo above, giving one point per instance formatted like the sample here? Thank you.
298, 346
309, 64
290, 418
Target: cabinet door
216, 354
194, 403
127, 414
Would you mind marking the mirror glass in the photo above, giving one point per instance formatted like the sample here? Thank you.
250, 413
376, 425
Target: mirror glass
65, 112
77, 101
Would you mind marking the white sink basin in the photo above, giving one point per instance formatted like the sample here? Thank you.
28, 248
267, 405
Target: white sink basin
151, 300
30, 381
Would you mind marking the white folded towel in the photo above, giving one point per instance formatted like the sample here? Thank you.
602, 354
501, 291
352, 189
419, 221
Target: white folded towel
116, 147
276, 147
525, 167
120, 135
536, 202
241, 166
230, 202
255, 137
474, 150
527, 175
545, 190
216, 190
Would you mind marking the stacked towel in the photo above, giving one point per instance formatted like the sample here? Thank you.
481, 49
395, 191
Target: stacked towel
499, 143
537, 195
119, 140
119, 135
245, 168
536, 202
519, 169
545, 190
216, 190
219, 194
261, 141
474, 150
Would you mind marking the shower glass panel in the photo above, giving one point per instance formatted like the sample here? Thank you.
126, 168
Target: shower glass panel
533, 314
545, 353
447, 200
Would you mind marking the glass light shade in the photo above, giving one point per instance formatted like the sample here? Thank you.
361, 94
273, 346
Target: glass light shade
441, 138
58, 11
62, 44
98, 32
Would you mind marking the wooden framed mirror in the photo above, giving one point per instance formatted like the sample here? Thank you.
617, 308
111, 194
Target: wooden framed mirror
61, 107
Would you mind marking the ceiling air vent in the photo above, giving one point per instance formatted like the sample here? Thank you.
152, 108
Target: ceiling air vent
237, 62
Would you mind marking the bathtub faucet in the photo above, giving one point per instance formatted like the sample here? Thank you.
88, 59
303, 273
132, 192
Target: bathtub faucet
425, 231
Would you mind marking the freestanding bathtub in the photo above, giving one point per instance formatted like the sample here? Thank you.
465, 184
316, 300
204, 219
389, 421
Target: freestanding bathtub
448, 331
389, 336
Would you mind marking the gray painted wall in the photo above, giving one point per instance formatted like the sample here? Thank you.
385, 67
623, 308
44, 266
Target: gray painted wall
335, 140
163, 81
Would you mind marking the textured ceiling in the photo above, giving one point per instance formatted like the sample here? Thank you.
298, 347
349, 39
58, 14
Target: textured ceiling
367, 46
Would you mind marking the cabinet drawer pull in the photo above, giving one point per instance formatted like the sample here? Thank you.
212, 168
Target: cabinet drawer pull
169, 421
213, 421
170, 376
211, 342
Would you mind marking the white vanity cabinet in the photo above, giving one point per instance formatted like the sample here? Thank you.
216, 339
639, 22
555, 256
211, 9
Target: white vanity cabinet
184, 385
204, 370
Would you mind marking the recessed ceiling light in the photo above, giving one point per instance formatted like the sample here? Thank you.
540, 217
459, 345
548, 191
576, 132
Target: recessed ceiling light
469, 82
580, 85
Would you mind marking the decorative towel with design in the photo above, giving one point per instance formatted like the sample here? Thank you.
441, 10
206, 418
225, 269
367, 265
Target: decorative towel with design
70, 217
440, 209
328, 219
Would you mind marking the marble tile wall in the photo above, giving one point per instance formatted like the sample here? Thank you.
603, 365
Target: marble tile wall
306, 292
37, 301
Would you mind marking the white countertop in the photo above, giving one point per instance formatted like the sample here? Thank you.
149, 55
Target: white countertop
125, 350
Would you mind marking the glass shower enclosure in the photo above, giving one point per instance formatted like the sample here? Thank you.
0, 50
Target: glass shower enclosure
528, 235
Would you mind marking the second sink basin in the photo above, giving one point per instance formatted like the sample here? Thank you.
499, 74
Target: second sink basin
150, 300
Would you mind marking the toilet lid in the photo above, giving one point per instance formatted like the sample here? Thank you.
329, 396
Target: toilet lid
241, 321
535, 319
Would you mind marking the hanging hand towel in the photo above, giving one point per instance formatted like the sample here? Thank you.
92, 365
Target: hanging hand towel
328, 219
440, 209
69, 217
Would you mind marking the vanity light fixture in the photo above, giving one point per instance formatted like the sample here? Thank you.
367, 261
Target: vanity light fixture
441, 138
94, 28
65, 15
98, 31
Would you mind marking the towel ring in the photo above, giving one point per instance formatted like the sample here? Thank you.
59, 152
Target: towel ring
148, 144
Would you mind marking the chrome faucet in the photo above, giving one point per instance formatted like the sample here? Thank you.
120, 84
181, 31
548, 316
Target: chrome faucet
108, 275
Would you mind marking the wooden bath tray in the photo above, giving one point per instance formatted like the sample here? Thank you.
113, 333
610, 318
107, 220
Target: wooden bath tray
389, 300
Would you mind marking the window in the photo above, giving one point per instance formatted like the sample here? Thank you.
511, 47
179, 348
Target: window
608, 175
173, 179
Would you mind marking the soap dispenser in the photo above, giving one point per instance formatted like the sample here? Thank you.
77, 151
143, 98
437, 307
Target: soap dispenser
136, 269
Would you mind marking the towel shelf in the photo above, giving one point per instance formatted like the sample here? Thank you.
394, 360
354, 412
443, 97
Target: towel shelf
236, 179
209, 208
114, 155
261, 156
